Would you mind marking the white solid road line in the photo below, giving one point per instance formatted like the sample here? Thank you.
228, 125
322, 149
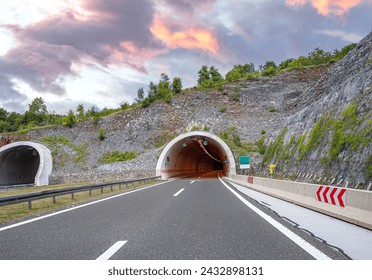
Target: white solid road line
177, 193
112, 250
291, 235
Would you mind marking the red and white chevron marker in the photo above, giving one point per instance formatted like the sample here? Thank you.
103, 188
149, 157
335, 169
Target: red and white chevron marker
332, 195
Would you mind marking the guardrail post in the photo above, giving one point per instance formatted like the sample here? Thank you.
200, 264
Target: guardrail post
112, 188
29, 205
101, 189
90, 192
54, 199
72, 196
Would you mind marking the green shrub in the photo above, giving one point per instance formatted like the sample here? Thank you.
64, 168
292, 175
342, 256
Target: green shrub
368, 168
223, 109
81, 153
101, 134
272, 110
69, 120
269, 72
275, 148
260, 145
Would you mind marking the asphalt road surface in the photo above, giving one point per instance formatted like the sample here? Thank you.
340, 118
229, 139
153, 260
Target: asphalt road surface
181, 219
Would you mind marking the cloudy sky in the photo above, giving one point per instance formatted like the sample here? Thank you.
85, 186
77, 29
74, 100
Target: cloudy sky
101, 51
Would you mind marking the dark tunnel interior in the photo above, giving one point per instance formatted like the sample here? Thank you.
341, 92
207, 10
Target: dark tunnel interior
19, 165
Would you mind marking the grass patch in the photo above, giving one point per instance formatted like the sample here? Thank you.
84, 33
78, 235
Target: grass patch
116, 156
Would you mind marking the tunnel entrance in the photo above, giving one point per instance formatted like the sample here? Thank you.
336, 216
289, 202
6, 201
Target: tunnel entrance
19, 165
195, 153
25, 163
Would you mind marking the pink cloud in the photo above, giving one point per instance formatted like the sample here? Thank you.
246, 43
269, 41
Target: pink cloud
47, 50
328, 7
189, 38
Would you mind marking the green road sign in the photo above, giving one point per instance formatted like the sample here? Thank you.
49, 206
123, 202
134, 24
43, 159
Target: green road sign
245, 162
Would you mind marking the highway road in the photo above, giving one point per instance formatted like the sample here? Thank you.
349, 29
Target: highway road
180, 219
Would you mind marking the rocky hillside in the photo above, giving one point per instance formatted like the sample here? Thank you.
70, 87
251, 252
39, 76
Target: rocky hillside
246, 108
330, 133
313, 120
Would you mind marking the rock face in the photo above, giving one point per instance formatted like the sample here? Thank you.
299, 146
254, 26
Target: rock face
334, 119
295, 100
248, 106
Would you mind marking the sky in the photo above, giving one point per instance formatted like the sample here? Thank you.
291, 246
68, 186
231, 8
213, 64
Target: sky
100, 52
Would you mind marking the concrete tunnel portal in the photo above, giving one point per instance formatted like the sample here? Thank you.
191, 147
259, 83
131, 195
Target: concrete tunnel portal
195, 153
25, 163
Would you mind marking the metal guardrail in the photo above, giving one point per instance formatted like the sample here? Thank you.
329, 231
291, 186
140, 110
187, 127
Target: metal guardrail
29, 197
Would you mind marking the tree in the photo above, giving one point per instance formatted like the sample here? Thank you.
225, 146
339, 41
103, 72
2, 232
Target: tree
152, 93
164, 90
318, 56
15, 121
239, 71
269, 69
286, 63
233, 75
124, 105
140, 94
209, 78
70, 120
92, 111
268, 64
80, 112
203, 75
164, 78
249, 68
215, 75
177, 85
37, 111
3, 114
4, 126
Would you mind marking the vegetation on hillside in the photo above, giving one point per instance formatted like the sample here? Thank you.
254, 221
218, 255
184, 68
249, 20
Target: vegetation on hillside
117, 156
348, 132
231, 137
37, 114
63, 149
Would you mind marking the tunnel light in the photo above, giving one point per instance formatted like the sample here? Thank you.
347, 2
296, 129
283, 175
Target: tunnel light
184, 144
205, 142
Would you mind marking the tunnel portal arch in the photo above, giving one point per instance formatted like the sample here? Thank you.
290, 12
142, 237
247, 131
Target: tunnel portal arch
194, 153
25, 163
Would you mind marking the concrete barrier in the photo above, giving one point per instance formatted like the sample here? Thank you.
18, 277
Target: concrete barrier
358, 203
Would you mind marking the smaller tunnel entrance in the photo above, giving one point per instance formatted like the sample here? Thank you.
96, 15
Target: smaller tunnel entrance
25, 163
19, 165
195, 153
